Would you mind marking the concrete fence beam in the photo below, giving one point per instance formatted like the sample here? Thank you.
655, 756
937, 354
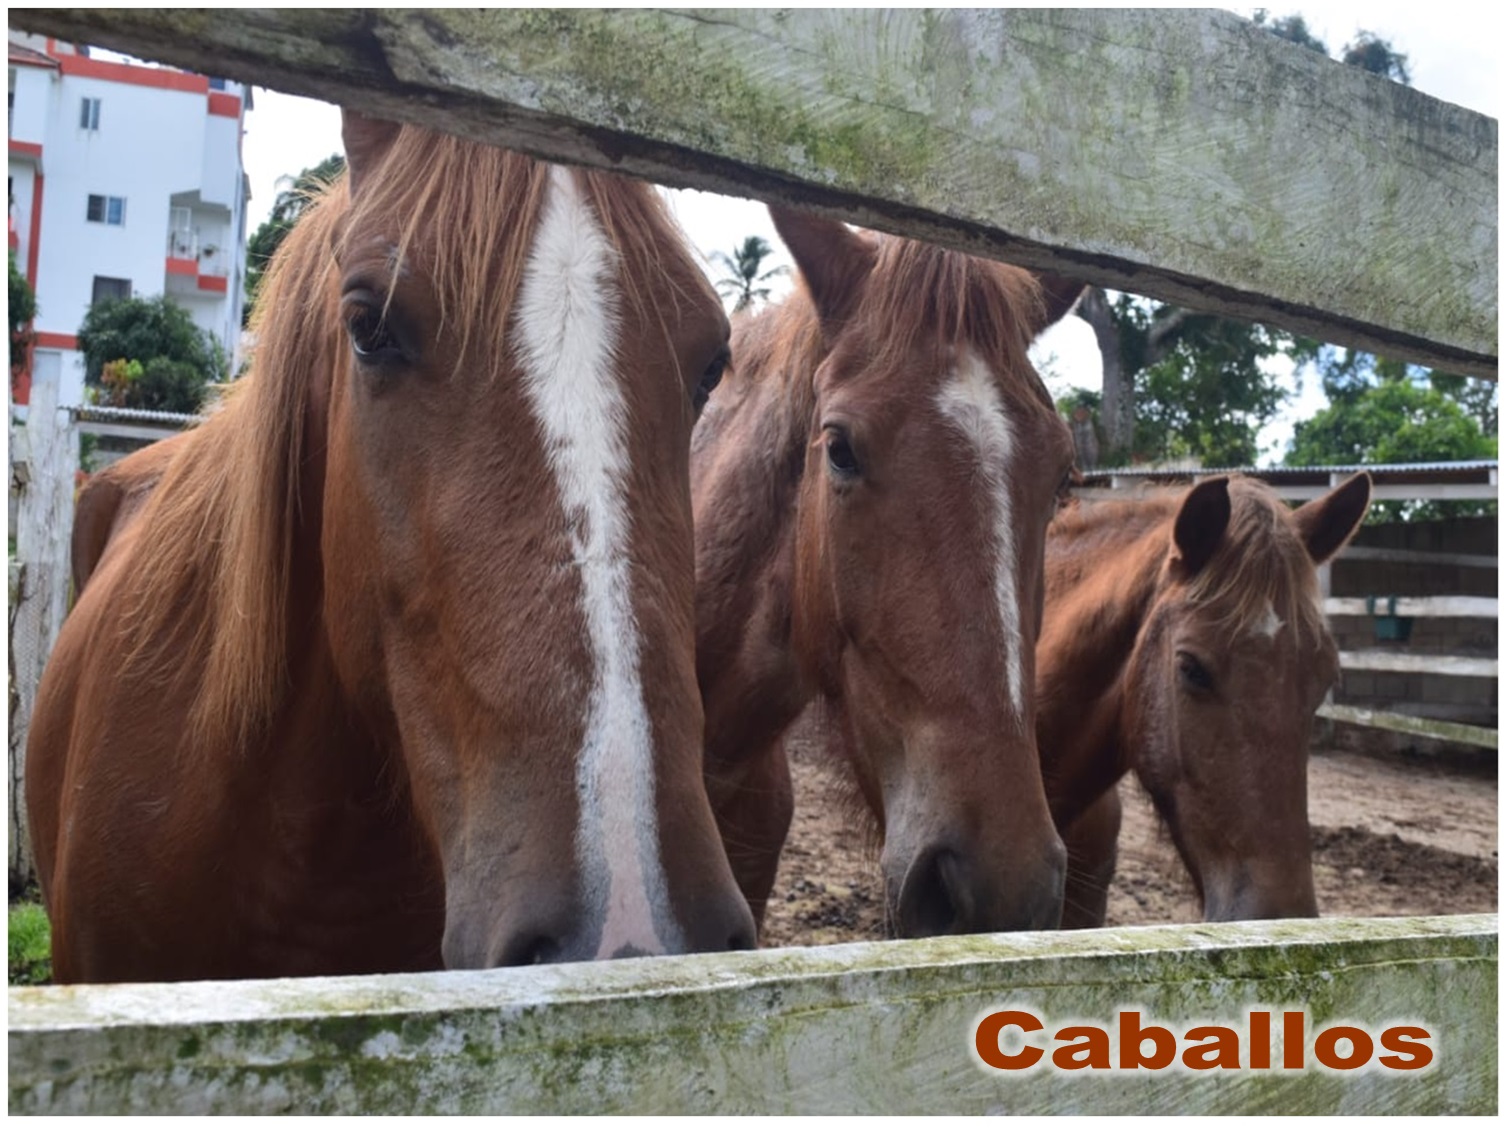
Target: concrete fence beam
1186, 155
863, 1027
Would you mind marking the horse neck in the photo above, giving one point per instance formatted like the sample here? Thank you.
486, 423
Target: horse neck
747, 460
1103, 568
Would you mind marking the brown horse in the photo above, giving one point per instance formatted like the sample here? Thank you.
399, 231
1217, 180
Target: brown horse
1184, 640
394, 665
110, 499
872, 488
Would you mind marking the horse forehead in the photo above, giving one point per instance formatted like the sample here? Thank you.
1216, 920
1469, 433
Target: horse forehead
1266, 623
971, 400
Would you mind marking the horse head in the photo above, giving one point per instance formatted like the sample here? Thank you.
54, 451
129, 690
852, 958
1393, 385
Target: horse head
1232, 662
934, 462
506, 540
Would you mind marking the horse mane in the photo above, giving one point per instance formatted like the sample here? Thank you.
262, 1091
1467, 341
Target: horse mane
920, 294
1261, 558
216, 546
1261, 562
917, 296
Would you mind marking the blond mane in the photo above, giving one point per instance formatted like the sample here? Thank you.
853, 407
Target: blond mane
1261, 564
920, 294
214, 563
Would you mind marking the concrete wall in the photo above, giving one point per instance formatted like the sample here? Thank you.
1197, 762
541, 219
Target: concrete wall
859, 1028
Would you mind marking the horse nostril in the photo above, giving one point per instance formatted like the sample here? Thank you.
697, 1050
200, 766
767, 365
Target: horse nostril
935, 898
528, 949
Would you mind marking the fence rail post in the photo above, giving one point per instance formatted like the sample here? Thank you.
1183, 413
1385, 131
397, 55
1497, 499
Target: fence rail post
39, 587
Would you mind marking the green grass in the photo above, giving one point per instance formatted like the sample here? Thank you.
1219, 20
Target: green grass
30, 940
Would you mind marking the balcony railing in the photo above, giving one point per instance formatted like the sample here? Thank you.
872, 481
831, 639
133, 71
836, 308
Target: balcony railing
182, 244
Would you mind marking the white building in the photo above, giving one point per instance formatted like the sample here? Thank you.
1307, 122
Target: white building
124, 179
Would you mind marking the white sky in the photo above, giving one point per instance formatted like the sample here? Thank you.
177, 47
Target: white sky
1453, 51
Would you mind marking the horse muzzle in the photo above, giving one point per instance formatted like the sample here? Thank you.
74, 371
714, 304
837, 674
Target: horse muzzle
945, 891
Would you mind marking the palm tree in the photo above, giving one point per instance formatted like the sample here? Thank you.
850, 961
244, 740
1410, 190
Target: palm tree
742, 276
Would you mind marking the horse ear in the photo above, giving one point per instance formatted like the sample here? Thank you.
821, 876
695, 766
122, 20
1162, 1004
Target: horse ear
366, 143
834, 260
1201, 523
1326, 524
1059, 294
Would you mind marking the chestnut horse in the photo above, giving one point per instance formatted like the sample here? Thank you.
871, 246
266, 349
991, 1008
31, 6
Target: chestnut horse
393, 667
872, 487
1184, 640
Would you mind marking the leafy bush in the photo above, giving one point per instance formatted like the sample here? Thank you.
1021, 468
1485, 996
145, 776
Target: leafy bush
177, 358
30, 940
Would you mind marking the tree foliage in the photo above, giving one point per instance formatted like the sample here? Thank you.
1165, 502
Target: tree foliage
23, 300
1385, 411
742, 276
176, 359
286, 209
1209, 396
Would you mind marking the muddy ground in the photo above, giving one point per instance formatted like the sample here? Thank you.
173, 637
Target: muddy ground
1391, 837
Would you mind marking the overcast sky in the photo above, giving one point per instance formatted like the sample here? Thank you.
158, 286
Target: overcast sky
1451, 49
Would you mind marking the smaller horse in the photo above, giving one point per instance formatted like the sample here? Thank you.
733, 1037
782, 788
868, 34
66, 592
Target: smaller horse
872, 486
1184, 640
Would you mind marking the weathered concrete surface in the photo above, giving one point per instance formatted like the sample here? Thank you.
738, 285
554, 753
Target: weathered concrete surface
868, 1027
1181, 154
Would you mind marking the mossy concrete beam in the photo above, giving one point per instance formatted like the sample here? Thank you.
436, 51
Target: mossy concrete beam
864, 1027
1182, 154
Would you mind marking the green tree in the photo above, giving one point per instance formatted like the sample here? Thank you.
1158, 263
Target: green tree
23, 301
1370, 52
23, 308
286, 209
1385, 411
178, 360
1178, 384
742, 276
1291, 28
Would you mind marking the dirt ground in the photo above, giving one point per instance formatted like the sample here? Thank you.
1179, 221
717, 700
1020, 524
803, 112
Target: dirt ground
1389, 838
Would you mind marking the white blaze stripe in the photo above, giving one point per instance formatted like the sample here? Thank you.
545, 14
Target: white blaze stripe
567, 330
1270, 624
970, 400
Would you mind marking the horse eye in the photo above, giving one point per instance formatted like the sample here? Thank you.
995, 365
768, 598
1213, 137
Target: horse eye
1064, 488
1193, 672
710, 380
370, 338
839, 456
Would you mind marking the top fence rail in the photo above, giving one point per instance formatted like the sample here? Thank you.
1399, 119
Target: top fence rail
1186, 155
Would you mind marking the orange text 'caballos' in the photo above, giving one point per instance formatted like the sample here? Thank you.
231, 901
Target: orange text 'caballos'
1004, 1041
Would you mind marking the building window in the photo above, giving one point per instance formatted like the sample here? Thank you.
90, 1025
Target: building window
105, 288
217, 84
106, 209
88, 114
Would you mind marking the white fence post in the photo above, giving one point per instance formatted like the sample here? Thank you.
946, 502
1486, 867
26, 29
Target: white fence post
39, 585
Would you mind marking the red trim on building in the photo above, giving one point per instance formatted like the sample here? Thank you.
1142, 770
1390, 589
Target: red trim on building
36, 230
176, 266
27, 57
137, 76
26, 148
47, 340
224, 105
214, 283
